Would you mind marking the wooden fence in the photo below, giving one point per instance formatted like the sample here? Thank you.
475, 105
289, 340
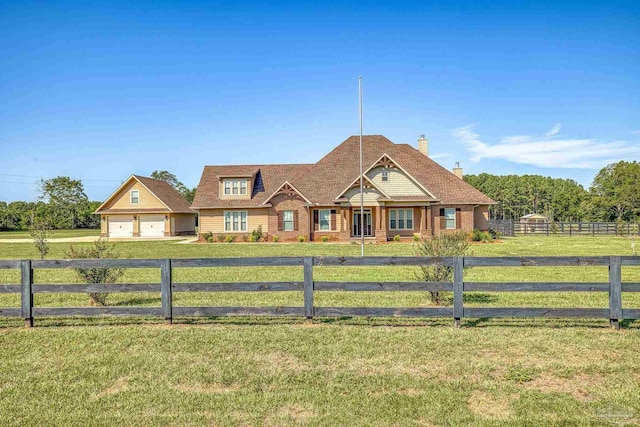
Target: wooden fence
614, 287
512, 228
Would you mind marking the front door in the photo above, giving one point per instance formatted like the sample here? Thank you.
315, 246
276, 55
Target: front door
367, 223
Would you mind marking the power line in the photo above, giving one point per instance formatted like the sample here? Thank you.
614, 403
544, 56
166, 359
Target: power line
36, 183
41, 177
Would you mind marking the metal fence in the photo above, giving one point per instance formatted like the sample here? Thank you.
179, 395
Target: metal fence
511, 228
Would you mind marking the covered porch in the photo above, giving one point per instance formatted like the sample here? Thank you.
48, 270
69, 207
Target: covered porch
383, 222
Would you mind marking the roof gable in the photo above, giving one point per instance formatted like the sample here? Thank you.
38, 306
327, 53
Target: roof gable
366, 183
288, 190
165, 197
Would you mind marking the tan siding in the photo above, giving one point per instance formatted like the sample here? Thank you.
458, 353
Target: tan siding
212, 220
122, 200
398, 184
184, 223
370, 196
103, 226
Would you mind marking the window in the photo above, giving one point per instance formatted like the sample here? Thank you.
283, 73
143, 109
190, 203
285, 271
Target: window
135, 197
401, 219
235, 221
385, 175
235, 186
450, 218
324, 218
287, 220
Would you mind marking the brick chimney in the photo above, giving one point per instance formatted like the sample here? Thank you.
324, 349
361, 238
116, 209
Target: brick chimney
457, 171
423, 145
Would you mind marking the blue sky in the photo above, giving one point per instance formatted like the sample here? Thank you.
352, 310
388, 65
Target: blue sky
100, 91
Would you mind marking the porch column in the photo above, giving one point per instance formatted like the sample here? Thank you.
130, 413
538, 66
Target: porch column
428, 219
423, 219
383, 220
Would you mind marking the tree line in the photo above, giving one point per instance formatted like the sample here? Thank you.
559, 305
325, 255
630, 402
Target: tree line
613, 196
62, 204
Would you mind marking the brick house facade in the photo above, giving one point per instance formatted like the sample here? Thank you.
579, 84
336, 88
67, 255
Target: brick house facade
405, 193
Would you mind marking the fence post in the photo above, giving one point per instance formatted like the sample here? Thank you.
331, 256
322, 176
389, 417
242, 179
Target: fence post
165, 289
615, 291
308, 287
26, 273
458, 288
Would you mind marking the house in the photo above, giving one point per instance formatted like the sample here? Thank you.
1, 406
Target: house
533, 222
534, 218
405, 193
145, 207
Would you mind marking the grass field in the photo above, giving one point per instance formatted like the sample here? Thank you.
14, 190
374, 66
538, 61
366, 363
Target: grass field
319, 375
356, 372
53, 234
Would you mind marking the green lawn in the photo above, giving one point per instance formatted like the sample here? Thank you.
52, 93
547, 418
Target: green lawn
319, 375
54, 234
358, 372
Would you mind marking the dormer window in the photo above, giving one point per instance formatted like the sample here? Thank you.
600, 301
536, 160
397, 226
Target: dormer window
135, 197
385, 176
235, 187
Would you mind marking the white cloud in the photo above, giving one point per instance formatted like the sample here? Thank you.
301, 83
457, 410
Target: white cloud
440, 155
547, 150
554, 130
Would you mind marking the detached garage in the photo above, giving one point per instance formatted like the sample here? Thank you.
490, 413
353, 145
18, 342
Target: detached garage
146, 207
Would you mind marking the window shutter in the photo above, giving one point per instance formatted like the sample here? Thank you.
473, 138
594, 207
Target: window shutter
280, 221
315, 221
443, 223
458, 218
295, 220
333, 219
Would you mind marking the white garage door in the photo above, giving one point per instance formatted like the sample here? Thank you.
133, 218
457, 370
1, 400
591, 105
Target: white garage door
121, 226
151, 225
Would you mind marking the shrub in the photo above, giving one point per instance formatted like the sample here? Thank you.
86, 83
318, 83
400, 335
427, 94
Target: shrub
100, 249
480, 236
221, 238
245, 238
444, 245
230, 238
39, 231
256, 234
396, 238
553, 228
275, 239
325, 238
301, 239
495, 234
208, 236
621, 228
416, 237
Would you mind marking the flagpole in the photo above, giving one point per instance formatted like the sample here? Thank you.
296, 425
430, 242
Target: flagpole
361, 177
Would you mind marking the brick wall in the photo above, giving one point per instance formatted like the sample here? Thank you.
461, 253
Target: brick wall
289, 203
465, 216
